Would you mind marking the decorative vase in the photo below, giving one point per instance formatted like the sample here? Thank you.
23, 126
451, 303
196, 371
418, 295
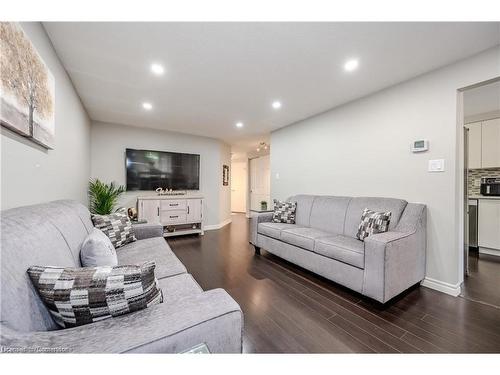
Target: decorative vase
263, 206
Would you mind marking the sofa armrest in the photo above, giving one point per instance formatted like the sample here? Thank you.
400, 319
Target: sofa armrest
211, 317
255, 219
143, 231
394, 261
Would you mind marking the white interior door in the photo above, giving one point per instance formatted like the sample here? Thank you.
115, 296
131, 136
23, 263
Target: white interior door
260, 182
239, 185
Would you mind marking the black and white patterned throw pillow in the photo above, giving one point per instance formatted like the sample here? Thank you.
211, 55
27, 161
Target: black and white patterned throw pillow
284, 212
78, 296
117, 226
373, 222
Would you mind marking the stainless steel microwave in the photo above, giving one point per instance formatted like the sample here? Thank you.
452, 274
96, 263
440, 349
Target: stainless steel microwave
490, 186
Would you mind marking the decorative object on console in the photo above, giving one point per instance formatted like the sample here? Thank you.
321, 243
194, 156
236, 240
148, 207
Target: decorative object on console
225, 175
284, 212
132, 213
27, 88
97, 250
78, 296
117, 226
103, 197
373, 222
263, 205
160, 191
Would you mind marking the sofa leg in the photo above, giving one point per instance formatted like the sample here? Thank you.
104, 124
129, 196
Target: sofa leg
257, 249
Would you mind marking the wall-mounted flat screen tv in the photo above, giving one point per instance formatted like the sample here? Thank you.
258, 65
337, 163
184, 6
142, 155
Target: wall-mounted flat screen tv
149, 170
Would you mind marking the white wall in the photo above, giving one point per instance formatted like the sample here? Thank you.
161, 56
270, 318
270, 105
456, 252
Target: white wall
31, 174
108, 144
363, 149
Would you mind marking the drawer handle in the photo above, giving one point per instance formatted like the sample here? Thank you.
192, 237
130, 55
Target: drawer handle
173, 217
174, 204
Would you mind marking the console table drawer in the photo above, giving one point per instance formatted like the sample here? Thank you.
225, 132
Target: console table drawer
173, 204
173, 217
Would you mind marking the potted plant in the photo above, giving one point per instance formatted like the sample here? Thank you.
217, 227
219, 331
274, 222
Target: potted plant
103, 197
263, 205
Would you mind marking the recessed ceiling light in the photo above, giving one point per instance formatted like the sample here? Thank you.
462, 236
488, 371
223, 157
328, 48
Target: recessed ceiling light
351, 65
276, 104
147, 106
239, 124
157, 69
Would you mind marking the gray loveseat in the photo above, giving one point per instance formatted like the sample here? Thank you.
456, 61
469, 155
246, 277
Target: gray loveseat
323, 240
51, 234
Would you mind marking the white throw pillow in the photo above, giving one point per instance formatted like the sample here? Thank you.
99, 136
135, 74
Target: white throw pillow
97, 250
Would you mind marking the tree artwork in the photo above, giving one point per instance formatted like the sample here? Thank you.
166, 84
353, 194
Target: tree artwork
27, 87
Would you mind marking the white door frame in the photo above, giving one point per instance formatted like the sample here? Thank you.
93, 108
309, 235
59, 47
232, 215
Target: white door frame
460, 177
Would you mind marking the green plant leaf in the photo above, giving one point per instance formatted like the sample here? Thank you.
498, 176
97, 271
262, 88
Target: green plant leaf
103, 197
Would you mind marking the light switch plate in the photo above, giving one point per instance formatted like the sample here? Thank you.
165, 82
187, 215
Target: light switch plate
436, 165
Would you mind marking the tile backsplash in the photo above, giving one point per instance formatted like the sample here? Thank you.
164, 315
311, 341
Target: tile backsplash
475, 176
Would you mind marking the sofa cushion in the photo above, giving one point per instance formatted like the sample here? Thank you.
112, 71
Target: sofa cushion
372, 223
302, 237
357, 206
178, 286
273, 229
97, 250
30, 236
342, 248
284, 212
117, 226
79, 296
303, 210
152, 249
328, 213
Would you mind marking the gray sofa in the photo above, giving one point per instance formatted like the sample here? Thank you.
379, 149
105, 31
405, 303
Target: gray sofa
323, 240
51, 234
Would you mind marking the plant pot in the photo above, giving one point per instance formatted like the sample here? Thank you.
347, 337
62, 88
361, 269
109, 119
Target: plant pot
263, 206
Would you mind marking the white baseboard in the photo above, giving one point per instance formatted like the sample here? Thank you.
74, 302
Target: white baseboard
217, 226
485, 250
441, 286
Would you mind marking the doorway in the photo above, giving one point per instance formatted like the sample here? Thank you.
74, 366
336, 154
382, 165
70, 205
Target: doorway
239, 186
260, 183
481, 119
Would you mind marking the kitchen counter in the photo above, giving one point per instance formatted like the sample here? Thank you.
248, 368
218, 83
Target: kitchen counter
484, 197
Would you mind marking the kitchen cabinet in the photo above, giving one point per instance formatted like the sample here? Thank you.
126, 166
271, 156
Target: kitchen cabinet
489, 223
490, 143
475, 145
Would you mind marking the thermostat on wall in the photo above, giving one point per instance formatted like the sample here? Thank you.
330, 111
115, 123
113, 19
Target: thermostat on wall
420, 146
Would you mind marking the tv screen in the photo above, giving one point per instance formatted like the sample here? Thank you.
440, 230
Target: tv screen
149, 170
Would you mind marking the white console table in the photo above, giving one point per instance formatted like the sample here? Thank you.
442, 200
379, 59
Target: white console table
182, 214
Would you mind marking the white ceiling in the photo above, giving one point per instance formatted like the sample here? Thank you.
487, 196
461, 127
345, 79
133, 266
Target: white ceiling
221, 73
482, 99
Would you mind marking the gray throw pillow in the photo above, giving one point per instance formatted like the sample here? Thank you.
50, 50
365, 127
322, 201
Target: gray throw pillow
284, 212
373, 222
78, 296
117, 226
97, 250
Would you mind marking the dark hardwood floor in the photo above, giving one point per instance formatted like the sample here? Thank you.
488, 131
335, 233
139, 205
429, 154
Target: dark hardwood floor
290, 310
483, 283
